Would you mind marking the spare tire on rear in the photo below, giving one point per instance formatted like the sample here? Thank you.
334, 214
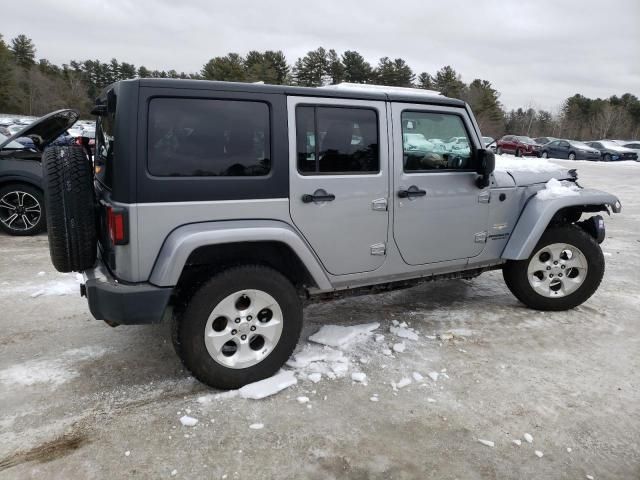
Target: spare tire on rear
70, 212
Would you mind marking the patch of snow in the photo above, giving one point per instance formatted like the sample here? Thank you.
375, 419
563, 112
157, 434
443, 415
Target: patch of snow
269, 386
431, 400
557, 189
518, 164
517, 442
528, 437
569, 450
204, 399
41, 274
302, 399
434, 376
379, 338
315, 377
488, 443
256, 426
539, 454
399, 347
403, 382
445, 336
404, 332
127, 453
589, 477
174, 472
373, 399
55, 371
417, 376
359, 377
337, 336
188, 421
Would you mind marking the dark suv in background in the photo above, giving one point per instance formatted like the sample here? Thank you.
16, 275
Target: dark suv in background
21, 196
518, 145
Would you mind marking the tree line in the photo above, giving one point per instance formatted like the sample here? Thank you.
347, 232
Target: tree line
33, 86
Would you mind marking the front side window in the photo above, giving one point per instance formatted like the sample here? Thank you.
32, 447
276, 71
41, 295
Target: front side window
203, 137
337, 140
434, 141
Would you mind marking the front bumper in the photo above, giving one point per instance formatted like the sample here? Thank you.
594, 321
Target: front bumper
123, 304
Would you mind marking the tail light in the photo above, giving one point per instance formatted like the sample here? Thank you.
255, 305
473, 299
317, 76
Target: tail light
117, 225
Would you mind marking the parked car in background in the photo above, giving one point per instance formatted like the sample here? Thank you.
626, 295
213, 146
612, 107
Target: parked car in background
520, 146
635, 146
22, 209
611, 151
489, 143
544, 140
569, 150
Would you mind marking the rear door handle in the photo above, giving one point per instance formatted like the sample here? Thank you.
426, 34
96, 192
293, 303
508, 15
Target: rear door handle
412, 192
318, 196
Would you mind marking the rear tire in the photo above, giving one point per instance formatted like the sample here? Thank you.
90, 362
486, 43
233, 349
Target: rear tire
518, 154
70, 200
22, 210
233, 301
572, 156
547, 280
499, 151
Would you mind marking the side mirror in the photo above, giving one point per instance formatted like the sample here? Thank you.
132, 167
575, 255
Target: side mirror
485, 165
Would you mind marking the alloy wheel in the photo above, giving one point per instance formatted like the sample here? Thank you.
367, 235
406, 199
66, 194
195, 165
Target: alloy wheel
20, 211
557, 270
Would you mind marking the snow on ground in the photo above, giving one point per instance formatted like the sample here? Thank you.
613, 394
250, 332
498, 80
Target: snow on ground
56, 284
54, 371
336, 335
556, 189
268, 386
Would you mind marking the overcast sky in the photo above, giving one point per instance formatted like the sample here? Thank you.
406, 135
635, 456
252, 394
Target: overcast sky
535, 52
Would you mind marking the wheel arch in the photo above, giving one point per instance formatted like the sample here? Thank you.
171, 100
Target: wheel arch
539, 214
190, 249
21, 180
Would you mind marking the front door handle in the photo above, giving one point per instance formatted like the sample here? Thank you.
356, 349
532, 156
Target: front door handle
318, 196
412, 192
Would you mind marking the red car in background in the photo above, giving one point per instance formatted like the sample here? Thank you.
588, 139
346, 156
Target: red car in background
518, 145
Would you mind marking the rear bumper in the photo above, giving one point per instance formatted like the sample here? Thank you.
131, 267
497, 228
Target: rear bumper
123, 304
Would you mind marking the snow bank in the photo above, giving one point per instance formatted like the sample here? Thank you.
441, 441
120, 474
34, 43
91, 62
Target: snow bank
557, 189
337, 336
534, 165
268, 386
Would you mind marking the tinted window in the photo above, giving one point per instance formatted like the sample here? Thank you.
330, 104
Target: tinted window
555, 143
105, 143
337, 140
434, 141
197, 137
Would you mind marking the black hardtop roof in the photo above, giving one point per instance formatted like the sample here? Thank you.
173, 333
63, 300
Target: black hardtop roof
352, 93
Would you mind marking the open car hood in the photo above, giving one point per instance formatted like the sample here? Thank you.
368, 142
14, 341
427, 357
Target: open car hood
46, 129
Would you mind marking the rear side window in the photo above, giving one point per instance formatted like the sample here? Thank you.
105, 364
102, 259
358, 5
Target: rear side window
105, 143
203, 137
337, 140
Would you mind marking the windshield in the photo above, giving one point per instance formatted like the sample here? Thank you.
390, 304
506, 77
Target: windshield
609, 144
12, 145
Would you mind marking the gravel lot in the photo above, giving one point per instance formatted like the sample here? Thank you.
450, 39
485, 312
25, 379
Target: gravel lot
79, 399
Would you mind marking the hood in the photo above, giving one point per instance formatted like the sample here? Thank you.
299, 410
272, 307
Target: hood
46, 129
532, 171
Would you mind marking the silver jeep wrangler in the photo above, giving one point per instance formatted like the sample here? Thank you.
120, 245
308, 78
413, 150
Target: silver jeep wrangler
225, 207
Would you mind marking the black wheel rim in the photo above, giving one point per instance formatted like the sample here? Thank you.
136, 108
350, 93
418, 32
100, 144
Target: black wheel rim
19, 211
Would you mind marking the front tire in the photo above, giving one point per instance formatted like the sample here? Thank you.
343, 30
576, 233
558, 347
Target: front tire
240, 327
606, 157
545, 155
21, 210
499, 151
564, 270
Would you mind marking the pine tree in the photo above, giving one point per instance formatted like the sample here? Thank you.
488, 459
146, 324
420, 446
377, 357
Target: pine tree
6, 77
24, 51
335, 68
356, 68
425, 81
311, 70
448, 83
229, 68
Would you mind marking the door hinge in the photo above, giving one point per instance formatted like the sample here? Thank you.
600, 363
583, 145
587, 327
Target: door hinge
378, 249
484, 197
480, 237
379, 204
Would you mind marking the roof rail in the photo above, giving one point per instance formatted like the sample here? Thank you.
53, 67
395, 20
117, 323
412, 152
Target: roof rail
365, 87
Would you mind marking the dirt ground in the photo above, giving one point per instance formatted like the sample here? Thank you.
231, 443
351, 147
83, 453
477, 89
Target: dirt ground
79, 399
